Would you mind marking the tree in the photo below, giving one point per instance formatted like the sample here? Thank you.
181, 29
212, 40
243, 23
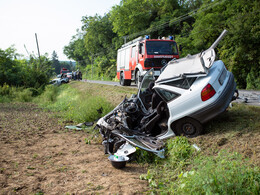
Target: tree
34, 73
10, 71
76, 50
55, 63
240, 49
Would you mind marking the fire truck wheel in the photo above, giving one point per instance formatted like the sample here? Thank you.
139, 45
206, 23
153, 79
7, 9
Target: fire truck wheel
124, 82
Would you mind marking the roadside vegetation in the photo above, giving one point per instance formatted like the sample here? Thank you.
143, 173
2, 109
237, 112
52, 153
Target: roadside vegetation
73, 105
195, 24
227, 161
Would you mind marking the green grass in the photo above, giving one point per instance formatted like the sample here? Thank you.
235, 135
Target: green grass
17, 94
72, 104
186, 171
213, 170
227, 173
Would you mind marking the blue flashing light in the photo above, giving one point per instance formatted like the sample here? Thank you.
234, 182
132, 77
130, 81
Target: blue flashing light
171, 37
147, 37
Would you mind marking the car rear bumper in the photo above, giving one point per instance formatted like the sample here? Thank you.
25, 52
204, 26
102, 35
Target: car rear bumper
220, 105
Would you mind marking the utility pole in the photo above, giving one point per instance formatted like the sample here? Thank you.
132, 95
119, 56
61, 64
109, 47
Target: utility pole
37, 46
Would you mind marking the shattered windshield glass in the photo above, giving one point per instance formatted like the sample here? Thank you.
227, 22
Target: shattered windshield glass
161, 48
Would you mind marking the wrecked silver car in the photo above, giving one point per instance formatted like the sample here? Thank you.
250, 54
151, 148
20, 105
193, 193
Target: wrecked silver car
189, 92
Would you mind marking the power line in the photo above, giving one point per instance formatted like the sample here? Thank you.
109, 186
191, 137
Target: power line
175, 20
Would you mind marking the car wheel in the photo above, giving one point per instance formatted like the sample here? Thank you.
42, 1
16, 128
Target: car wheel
188, 127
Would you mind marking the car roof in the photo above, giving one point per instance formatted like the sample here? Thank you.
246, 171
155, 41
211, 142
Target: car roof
190, 66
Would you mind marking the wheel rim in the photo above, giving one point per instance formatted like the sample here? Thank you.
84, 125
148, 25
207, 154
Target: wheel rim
188, 129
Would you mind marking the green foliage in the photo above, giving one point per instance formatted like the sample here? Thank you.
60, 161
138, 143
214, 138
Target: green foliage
57, 65
49, 95
223, 174
195, 24
17, 94
87, 111
142, 156
76, 50
24, 95
185, 171
74, 106
34, 73
239, 50
179, 154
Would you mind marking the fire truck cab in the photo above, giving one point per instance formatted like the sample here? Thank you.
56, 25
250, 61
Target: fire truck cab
136, 57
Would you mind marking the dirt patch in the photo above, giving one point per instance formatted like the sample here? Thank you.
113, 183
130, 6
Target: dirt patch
37, 154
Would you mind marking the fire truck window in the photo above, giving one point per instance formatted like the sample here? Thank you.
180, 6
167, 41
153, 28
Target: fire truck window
133, 51
161, 47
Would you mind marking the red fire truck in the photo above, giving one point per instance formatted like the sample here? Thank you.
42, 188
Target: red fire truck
136, 57
64, 70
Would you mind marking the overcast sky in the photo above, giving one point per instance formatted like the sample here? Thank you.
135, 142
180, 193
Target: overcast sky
54, 21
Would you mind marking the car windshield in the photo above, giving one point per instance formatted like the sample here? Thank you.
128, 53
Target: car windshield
161, 48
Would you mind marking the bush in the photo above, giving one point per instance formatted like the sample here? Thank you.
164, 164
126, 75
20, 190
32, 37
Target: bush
161, 174
48, 96
5, 90
224, 174
186, 172
23, 95
19, 94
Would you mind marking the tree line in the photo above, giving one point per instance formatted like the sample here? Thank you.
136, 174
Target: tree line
195, 24
34, 73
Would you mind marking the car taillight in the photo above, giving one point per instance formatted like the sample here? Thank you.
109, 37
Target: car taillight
207, 92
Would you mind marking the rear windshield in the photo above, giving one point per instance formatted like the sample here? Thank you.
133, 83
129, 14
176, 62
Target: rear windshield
161, 48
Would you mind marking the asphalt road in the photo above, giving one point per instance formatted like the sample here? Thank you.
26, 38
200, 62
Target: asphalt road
248, 97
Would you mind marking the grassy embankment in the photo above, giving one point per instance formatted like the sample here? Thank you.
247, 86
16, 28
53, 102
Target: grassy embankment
228, 162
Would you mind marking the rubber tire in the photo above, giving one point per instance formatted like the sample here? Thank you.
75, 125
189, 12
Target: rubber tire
188, 127
124, 82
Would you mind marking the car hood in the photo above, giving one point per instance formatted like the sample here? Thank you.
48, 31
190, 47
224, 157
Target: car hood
190, 66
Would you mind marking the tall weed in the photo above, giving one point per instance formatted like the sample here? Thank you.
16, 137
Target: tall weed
86, 109
74, 105
23, 95
185, 171
17, 94
179, 154
224, 174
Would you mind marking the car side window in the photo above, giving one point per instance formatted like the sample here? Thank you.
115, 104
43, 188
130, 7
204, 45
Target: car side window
184, 83
166, 95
